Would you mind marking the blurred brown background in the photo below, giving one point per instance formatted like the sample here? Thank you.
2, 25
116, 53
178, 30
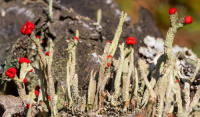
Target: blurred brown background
188, 36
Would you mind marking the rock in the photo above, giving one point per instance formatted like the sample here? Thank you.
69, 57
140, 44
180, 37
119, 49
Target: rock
146, 27
67, 21
11, 105
70, 16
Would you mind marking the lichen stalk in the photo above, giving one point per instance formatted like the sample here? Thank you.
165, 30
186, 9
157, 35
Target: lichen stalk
54, 111
91, 91
197, 95
116, 63
111, 51
169, 98
39, 49
99, 16
187, 95
196, 70
51, 10
194, 101
102, 71
119, 72
161, 86
31, 101
74, 87
101, 91
20, 87
136, 82
118, 32
175, 25
146, 94
72, 58
152, 99
19, 81
67, 88
178, 98
70, 67
104, 82
142, 68
103, 65
23, 70
155, 74
127, 71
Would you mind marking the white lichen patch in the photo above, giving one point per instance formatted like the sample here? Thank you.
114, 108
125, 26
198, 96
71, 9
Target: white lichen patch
3, 13
85, 25
153, 47
33, 46
139, 29
188, 52
19, 11
128, 18
159, 45
156, 45
147, 51
108, 1
96, 58
117, 12
149, 40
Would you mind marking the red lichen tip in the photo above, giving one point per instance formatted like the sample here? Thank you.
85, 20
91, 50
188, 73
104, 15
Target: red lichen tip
37, 37
109, 56
11, 72
108, 64
27, 106
49, 98
76, 38
24, 60
47, 53
36, 92
37, 88
130, 41
172, 11
188, 20
31, 70
24, 81
27, 28
108, 41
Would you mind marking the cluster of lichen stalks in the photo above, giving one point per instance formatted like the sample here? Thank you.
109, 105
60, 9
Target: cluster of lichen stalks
127, 93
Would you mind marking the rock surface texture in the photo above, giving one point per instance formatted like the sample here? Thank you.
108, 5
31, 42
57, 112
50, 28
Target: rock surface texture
70, 16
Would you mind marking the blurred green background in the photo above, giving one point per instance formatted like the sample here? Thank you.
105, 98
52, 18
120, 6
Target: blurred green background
188, 36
